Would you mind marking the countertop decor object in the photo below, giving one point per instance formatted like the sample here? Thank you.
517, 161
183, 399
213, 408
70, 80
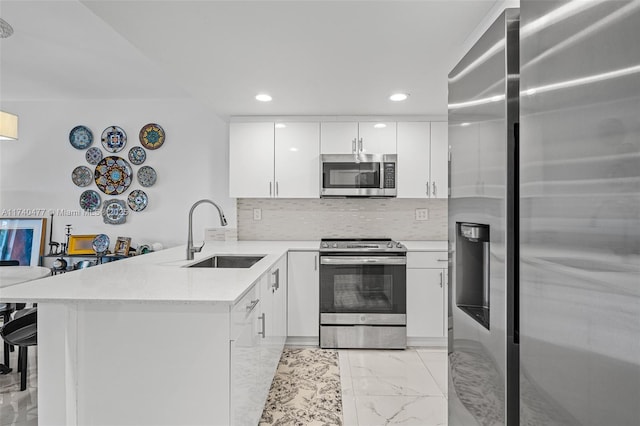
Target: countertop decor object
81, 137
152, 136
137, 200
113, 175
114, 212
93, 155
8, 125
22, 239
147, 176
122, 246
81, 244
137, 155
90, 200
81, 176
101, 244
114, 139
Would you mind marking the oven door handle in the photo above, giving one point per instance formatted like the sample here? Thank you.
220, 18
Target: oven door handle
363, 260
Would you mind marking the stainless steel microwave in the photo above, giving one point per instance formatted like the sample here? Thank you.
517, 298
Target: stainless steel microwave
359, 175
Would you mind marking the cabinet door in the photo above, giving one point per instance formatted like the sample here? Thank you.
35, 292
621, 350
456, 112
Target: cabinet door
297, 160
377, 137
439, 159
414, 146
251, 160
246, 402
425, 302
303, 294
338, 137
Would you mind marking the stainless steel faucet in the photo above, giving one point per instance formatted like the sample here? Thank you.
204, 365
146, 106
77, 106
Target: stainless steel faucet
190, 248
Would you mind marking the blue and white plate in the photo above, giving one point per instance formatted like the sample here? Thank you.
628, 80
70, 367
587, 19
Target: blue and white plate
82, 176
100, 243
80, 137
137, 200
93, 155
114, 139
90, 200
137, 155
113, 175
147, 176
114, 212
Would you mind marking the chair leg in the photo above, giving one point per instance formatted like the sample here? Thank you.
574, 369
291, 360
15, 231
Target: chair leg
7, 347
19, 360
23, 367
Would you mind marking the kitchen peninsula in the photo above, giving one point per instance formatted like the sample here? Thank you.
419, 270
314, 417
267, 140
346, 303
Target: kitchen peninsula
150, 341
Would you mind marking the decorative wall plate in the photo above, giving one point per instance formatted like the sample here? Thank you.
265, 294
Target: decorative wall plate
137, 155
113, 175
101, 243
90, 200
114, 139
81, 176
137, 200
93, 155
152, 136
114, 212
81, 137
147, 176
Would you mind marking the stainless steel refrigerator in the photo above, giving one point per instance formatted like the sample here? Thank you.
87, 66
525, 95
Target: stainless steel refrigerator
544, 219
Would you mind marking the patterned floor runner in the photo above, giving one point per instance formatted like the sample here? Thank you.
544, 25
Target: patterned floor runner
305, 390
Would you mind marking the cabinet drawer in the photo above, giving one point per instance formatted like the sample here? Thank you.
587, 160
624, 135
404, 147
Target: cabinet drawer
427, 259
242, 312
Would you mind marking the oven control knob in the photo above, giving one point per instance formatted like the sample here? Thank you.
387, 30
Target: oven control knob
390, 245
335, 245
325, 245
399, 245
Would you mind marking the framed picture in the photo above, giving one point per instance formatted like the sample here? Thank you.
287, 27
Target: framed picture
122, 246
81, 244
22, 240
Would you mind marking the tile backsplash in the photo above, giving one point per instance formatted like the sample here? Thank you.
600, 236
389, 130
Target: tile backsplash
313, 219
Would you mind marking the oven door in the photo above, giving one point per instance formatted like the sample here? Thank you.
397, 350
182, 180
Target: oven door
364, 289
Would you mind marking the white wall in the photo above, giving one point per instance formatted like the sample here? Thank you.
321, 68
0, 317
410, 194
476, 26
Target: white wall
35, 171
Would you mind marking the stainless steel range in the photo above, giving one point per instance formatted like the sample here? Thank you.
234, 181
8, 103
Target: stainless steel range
363, 292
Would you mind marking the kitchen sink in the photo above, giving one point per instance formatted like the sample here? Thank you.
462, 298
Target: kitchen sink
227, 261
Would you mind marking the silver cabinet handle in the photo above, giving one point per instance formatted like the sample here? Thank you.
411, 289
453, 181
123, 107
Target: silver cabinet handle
277, 188
262, 333
269, 188
434, 189
276, 280
441, 280
360, 144
252, 305
427, 189
353, 146
315, 262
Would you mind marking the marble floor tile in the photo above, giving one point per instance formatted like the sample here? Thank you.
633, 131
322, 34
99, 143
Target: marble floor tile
384, 362
19, 408
401, 410
413, 381
437, 364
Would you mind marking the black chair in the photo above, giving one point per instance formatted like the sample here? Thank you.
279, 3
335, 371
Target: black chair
22, 331
6, 309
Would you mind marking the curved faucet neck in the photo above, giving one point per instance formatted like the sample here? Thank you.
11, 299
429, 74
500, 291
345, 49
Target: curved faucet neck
223, 222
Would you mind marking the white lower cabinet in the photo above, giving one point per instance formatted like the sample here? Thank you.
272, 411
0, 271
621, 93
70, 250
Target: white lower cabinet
426, 296
258, 330
303, 303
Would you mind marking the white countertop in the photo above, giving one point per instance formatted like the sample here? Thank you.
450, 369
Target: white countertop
161, 277
12, 275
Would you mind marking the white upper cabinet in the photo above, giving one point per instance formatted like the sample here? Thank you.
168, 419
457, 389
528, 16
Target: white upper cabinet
422, 159
414, 147
338, 137
297, 160
439, 159
251, 164
377, 137
362, 138
266, 161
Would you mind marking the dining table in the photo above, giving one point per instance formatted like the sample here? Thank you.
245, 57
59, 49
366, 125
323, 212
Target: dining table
13, 275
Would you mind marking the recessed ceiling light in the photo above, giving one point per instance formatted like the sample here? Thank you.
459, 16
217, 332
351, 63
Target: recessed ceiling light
280, 125
263, 97
379, 125
397, 97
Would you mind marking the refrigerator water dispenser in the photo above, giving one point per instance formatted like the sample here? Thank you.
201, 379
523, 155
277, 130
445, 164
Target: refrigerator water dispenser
472, 271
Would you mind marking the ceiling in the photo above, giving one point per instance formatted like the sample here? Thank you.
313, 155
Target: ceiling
313, 57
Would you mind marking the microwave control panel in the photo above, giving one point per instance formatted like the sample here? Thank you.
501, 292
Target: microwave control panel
389, 175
